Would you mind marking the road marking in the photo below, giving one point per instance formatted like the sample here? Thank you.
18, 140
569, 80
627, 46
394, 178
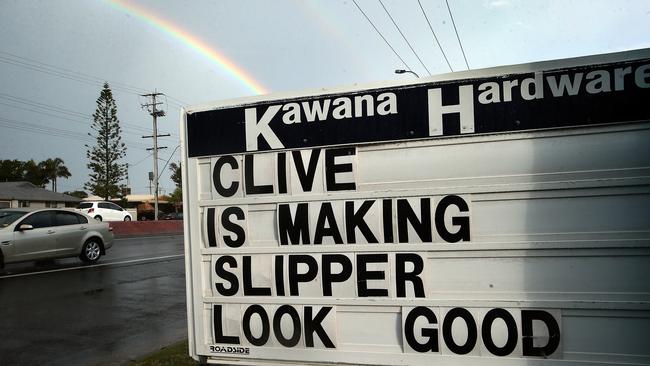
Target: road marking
96, 265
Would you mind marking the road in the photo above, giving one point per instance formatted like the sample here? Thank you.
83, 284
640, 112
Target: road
132, 302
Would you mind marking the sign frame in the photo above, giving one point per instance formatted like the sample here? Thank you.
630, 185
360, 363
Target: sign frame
200, 301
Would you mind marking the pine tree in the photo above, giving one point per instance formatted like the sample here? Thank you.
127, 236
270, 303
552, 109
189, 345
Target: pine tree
107, 172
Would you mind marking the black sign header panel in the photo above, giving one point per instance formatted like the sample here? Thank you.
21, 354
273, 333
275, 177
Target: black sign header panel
577, 96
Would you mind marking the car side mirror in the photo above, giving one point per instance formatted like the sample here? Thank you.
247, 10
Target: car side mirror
24, 227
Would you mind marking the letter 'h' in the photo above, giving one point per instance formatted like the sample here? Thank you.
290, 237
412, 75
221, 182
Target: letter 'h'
465, 108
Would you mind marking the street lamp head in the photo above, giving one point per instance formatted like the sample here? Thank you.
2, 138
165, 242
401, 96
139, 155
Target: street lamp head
401, 71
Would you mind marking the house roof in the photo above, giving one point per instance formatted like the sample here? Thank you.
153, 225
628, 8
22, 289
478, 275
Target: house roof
25, 191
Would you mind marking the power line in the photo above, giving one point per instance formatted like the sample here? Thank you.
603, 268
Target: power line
51, 131
87, 76
457, 36
167, 162
381, 35
22, 126
34, 65
434, 36
404, 37
60, 74
42, 105
177, 100
43, 67
82, 122
140, 161
61, 110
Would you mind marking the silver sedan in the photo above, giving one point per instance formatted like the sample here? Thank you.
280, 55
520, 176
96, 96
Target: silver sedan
29, 235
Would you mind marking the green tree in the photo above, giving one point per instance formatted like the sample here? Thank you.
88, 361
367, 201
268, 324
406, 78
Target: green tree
176, 198
176, 174
11, 170
53, 169
104, 157
34, 173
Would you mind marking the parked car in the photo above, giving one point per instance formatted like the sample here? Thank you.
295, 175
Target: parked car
104, 211
173, 216
149, 215
30, 235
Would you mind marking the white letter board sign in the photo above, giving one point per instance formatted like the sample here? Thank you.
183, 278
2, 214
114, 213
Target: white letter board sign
496, 216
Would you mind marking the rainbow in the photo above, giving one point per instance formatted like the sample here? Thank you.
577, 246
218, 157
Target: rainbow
192, 42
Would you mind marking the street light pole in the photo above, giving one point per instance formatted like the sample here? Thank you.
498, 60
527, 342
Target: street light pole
401, 71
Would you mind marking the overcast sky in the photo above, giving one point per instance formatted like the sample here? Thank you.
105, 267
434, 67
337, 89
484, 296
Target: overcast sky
54, 56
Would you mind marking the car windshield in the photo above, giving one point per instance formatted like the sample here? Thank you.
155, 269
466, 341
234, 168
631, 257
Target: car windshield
85, 205
8, 217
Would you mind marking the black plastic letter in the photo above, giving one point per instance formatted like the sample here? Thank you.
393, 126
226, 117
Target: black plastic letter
432, 334
227, 276
463, 233
292, 231
331, 168
246, 325
326, 214
329, 277
401, 276
295, 278
277, 329
216, 176
249, 290
472, 332
313, 324
405, 215
363, 274
486, 332
249, 170
219, 337
355, 220
527, 317
233, 227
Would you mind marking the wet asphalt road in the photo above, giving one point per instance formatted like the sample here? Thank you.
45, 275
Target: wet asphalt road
65, 313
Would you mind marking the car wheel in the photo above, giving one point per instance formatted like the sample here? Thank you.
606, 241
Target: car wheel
127, 218
91, 251
98, 218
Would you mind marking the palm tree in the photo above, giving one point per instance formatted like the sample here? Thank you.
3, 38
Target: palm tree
53, 169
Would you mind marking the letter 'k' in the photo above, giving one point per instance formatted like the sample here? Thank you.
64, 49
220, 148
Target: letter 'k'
255, 128
465, 108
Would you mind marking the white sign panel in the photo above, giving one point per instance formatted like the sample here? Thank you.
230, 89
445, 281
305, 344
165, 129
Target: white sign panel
354, 246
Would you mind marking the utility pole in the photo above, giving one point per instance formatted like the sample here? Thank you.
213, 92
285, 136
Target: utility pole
155, 113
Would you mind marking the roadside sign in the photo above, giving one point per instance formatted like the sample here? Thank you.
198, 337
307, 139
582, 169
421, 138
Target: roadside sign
495, 216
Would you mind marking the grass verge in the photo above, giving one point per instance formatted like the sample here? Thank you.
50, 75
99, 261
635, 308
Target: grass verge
174, 355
